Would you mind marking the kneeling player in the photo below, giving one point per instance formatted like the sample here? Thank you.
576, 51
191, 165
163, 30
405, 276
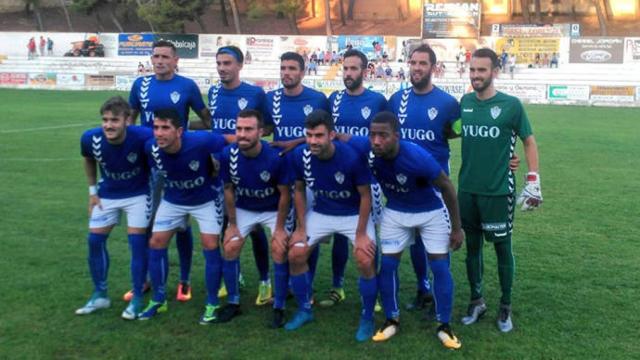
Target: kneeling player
408, 174
341, 188
256, 192
185, 161
119, 151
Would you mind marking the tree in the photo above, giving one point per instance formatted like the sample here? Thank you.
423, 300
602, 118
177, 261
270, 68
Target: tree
342, 19
352, 4
63, 5
327, 17
401, 16
223, 13
602, 20
236, 17
524, 4
33, 6
538, 10
171, 15
98, 7
290, 8
313, 8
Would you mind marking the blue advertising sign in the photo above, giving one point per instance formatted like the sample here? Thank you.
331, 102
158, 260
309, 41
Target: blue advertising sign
135, 44
366, 44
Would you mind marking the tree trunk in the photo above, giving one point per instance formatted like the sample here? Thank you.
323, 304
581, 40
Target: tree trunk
293, 23
352, 4
524, 4
327, 17
38, 17
201, 24
66, 15
342, 19
313, 10
400, 13
223, 14
236, 17
607, 9
99, 21
538, 11
602, 20
114, 18
408, 5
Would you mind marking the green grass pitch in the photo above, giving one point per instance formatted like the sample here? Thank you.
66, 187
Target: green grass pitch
577, 258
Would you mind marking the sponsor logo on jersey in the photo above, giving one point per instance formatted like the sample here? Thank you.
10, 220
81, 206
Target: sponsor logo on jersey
307, 109
339, 177
242, 103
467, 110
132, 157
495, 112
402, 178
185, 184
265, 176
332, 194
194, 165
480, 131
432, 112
366, 112
255, 193
175, 97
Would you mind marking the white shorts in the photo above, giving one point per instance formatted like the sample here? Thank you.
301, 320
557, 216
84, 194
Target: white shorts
321, 227
246, 220
171, 217
290, 222
137, 208
397, 230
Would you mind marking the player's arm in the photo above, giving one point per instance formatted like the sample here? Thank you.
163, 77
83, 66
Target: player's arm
231, 233
267, 130
91, 171
287, 145
531, 153
363, 242
451, 202
453, 129
205, 120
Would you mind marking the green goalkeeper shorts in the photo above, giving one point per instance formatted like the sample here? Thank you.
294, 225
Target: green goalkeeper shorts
493, 215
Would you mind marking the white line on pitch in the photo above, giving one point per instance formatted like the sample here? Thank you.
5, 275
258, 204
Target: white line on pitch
42, 128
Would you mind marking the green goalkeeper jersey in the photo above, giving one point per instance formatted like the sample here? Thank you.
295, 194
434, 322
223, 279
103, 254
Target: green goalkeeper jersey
489, 132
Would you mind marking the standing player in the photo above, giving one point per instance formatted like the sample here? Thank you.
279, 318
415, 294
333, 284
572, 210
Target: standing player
409, 176
185, 162
426, 115
287, 108
352, 110
256, 192
491, 123
226, 99
119, 151
340, 184
163, 90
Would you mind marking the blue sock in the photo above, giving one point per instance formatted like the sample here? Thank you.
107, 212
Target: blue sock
184, 243
442, 289
231, 273
339, 258
302, 291
212, 274
261, 252
369, 292
158, 269
281, 284
388, 286
98, 261
313, 264
138, 245
420, 267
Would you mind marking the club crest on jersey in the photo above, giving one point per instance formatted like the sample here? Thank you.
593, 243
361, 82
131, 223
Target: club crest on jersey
402, 178
366, 112
175, 97
265, 176
132, 157
433, 112
242, 103
495, 112
307, 109
339, 177
194, 165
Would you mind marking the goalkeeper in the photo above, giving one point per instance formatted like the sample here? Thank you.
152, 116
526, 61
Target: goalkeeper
491, 122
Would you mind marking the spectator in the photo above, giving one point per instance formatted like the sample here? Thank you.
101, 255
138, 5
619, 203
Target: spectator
335, 58
467, 56
32, 49
504, 59
43, 45
314, 57
372, 70
327, 57
49, 47
401, 74
321, 58
512, 64
312, 66
378, 49
554, 61
537, 60
248, 58
545, 60
141, 69
379, 72
388, 72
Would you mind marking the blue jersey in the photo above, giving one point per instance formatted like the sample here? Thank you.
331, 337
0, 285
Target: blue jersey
406, 180
423, 119
353, 114
287, 113
149, 94
187, 173
333, 181
255, 179
123, 169
225, 105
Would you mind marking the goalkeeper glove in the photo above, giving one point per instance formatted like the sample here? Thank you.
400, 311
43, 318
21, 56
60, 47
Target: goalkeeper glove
531, 196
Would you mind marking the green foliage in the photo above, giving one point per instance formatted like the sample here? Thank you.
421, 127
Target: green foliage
256, 10
287, 7
171, 15
575, 294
